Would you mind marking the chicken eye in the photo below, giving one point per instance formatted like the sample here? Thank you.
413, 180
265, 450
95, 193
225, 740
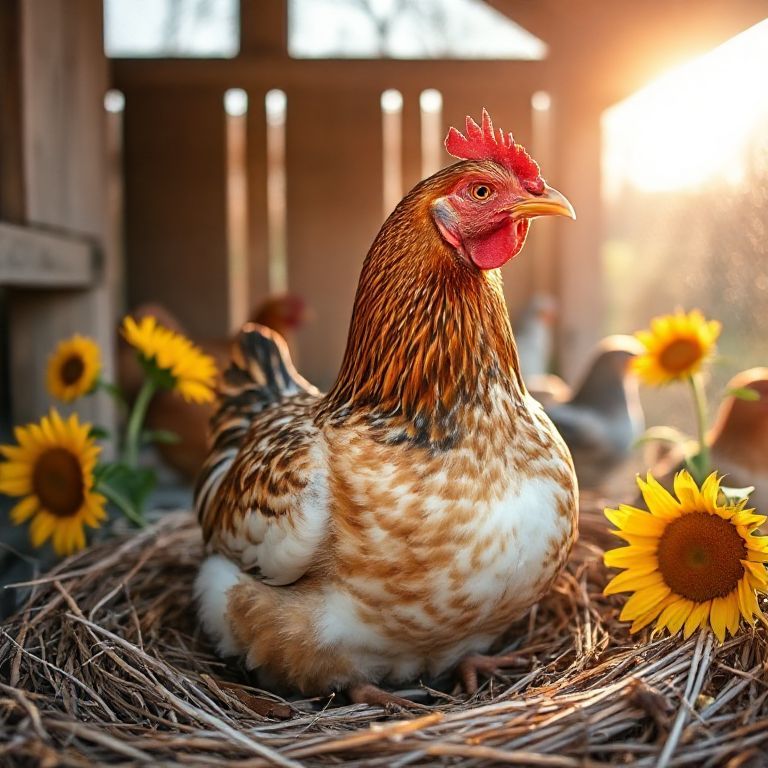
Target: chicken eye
481, 191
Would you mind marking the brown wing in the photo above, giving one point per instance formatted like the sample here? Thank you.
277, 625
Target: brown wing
262, 495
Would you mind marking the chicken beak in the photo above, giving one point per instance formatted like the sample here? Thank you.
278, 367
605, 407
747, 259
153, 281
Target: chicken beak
551, 203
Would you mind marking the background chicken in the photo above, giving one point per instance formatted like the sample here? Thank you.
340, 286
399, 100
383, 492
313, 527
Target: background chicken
601, 421
189, 421
738, 440
534, 331
398, 524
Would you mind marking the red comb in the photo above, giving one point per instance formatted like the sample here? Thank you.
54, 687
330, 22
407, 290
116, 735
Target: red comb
481, 143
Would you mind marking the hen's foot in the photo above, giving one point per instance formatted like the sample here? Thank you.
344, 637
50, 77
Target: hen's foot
376, 697
471, 666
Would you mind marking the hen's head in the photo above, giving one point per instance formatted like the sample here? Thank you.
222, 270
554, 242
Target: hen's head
485, 203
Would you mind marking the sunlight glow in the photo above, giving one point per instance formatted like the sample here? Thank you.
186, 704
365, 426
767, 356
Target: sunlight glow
693, 124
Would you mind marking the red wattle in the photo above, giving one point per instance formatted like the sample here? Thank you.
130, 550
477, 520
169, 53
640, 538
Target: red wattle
493, 250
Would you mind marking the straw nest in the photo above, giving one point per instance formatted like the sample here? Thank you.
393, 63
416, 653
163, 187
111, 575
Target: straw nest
104, 665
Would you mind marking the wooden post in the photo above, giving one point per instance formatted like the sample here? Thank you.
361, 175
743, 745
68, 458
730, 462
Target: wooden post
62, 75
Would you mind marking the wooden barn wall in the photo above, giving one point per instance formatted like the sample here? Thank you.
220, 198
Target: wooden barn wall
63, 77
175, 203
175, 181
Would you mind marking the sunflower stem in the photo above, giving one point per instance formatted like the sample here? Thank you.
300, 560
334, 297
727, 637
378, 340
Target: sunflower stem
136, 421
122, 503
700, 403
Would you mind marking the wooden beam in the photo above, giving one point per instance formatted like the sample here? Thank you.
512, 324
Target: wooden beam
34, 258
265, 72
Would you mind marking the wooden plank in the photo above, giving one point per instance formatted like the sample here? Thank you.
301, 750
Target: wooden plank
271, 71
64, 76
175, 204
256, 152
334, 212
264, 27
35, 258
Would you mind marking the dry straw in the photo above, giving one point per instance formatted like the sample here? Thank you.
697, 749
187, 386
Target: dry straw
104, 666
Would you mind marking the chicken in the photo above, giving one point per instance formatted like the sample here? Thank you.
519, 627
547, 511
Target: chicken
603, 419
738, 440
189, 421
533, 334
548, 389
399, 523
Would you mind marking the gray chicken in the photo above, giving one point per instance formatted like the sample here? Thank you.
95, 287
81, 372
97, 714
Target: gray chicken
533, 334
603, 419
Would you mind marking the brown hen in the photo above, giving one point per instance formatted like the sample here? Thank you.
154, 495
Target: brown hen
397, 525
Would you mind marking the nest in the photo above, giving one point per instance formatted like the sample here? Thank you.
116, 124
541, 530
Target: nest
104, 665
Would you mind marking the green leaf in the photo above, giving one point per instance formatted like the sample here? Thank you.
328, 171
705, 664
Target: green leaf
697, 465
114, 392
98, 433
744, 393
163, 436
162, 377
128, 487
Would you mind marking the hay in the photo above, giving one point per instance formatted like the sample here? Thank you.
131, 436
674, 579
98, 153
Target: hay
104, 665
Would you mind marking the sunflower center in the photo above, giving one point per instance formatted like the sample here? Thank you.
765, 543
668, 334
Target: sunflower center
72, 370
700, 556
680, 355
57, 481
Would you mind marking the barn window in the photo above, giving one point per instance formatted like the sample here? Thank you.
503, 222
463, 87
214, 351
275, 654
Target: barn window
172, 28
417, 29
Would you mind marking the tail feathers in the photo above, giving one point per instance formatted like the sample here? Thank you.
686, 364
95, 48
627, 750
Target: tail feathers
261, 373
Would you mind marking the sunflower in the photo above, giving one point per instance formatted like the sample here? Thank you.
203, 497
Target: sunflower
73, 368
52, 468
691, 561
675, 347
192, 372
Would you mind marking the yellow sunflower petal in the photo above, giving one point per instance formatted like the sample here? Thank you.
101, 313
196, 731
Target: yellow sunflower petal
720, 616
41, 528
756, 575
634, 579
635, 521
710, 491
645, 619
757, 555
749, 519
675, 614
24, 510
20, 486
642, 601
629, 557
687, 491
648, 543
747, 600
699, 615
660, 501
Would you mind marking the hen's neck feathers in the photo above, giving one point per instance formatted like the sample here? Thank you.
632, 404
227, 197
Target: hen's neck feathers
430, 335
